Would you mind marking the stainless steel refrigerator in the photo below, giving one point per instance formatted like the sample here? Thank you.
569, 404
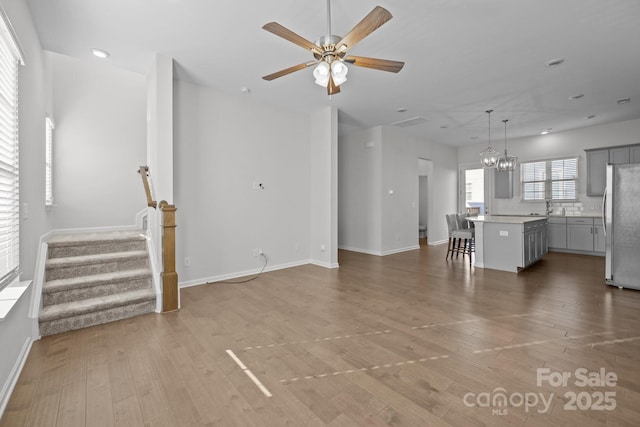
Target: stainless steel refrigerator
621, 220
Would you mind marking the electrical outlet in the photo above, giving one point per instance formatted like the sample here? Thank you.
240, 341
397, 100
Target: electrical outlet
187, 261
257, 252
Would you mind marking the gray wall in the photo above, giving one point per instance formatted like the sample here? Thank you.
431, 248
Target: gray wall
384, 160
99, 143
223, 144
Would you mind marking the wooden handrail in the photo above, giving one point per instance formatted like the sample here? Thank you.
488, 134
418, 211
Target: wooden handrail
170, 296
144, 173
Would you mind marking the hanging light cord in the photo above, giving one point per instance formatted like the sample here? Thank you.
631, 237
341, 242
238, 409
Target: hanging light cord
489, 114
505, 136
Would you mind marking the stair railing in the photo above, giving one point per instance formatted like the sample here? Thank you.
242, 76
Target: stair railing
169, 277
144, 173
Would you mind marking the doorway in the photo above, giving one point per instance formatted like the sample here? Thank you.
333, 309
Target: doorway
425, 169
473, 190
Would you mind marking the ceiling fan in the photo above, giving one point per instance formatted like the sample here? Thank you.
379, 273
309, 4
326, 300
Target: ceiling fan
330, 51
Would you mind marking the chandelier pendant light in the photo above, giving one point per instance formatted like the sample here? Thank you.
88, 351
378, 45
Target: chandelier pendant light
506, 162
489, 156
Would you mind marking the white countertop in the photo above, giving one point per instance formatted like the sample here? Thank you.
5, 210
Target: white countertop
582, 215
507, 219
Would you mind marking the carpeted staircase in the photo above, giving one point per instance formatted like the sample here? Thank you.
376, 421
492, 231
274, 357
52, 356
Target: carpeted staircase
94, 278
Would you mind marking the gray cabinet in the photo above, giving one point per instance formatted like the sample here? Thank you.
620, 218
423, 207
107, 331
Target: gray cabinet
576, 234
619, 155
503, 184
580, 234
541, 242
534, 242
596, 171
557, 233
597, 160
585, 234
634, 153
580, 238
599, 238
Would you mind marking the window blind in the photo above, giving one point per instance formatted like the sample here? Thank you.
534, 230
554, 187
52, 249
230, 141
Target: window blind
9, 173
549, 179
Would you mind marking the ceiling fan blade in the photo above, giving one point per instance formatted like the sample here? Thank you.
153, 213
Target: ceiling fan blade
285, 33
288, 71
332, 88
375, 63
374, 20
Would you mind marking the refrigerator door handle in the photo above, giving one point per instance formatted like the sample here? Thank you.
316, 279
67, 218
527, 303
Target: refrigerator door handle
604, 212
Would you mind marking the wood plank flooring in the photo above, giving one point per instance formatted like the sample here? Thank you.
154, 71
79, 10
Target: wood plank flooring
403, 340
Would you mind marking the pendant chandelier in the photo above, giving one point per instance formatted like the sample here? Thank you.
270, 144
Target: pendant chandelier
489, 157
506, 162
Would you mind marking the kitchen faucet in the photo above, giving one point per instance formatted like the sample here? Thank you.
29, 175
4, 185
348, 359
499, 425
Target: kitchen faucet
548, 203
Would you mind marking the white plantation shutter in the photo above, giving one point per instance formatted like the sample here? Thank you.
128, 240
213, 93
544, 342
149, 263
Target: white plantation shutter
10, 59
564, 175
549, 179
533, 177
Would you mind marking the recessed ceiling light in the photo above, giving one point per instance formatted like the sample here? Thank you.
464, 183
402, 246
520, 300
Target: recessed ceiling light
100, 53
546, 131
401, 110
578, 96
590, 116
623, 101
554, 62
245, 90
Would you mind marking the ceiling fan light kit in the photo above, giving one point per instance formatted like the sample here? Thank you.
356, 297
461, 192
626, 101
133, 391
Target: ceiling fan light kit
330, 51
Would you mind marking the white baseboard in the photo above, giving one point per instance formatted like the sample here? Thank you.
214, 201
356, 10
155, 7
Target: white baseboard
9, 385
360, 250
239, 274
324, 264
379, 253
439, 242
400, 250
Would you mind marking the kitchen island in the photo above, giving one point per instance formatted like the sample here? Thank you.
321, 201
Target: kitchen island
509, 243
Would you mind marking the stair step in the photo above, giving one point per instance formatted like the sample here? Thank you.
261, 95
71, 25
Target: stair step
78, 321
78, 288
77, 308
76, 244
86, 265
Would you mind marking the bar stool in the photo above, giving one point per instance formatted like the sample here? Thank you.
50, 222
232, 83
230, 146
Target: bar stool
468, 233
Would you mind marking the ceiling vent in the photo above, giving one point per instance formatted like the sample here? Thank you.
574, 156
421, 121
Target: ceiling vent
414, 121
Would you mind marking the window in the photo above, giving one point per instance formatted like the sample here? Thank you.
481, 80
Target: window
549, 179
48, 163
10, 58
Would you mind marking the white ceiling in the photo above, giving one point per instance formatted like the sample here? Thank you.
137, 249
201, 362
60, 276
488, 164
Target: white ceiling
462, 57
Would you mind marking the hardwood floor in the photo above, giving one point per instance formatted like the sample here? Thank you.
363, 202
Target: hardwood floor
402, 340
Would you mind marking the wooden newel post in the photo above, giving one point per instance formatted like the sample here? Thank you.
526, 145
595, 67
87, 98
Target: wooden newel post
169, 276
